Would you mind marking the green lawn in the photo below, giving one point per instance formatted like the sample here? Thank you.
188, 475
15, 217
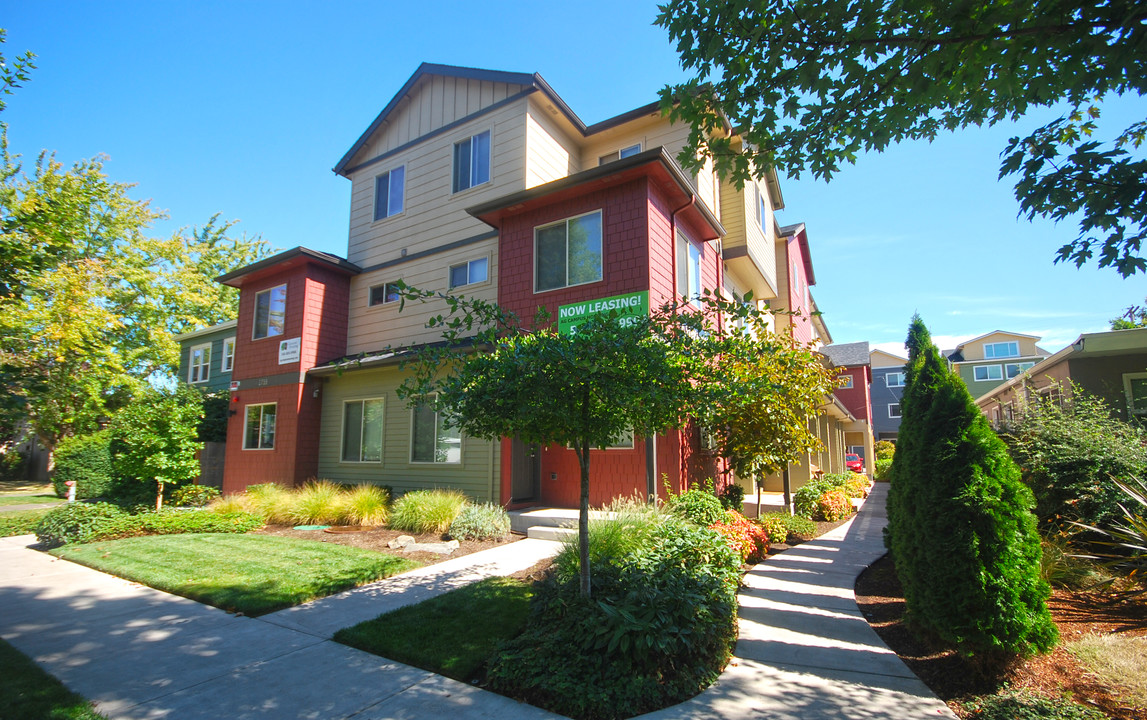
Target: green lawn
29, 499
452, 634
29, 693
20, 523
252, 574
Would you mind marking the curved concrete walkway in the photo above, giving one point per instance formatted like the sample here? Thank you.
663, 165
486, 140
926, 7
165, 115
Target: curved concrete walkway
805, 651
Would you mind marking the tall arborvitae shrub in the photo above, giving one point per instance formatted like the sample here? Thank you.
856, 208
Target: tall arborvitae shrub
961, 528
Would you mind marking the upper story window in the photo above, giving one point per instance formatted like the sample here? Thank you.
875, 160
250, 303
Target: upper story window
384, 294
624, 152
845, 382
894, 379
568, 252
270, 312
689, 260
762, 211
199, 363
1013, 369
389, 188
228, 354
1002, 349
472, 161
987, 372
469, 273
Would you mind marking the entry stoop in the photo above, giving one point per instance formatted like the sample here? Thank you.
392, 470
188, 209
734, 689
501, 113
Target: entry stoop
521, 521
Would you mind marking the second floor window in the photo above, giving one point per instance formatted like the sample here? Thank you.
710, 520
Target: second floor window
270, 312
228, 355
469, 273
199, 364
894, 379
987, 372
624, 152
845, 382
472, 161
689, 260
568, 252
1001, 350
388, 193
1013, 369
385, 293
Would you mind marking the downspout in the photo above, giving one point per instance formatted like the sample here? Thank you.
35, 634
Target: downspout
676, 297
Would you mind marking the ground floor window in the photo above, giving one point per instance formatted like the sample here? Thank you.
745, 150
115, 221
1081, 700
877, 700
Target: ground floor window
259, 427
362, 430
893, 410
432, 440
1136, 386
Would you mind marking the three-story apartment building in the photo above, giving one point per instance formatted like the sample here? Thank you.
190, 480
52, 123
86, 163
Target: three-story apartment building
486, 183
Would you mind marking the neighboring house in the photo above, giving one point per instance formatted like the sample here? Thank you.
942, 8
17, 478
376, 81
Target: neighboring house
854, 390
1111, 365
485, 183
207, 356
988, 361
887, 392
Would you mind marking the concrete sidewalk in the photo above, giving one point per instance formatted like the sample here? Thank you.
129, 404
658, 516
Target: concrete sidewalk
805, 651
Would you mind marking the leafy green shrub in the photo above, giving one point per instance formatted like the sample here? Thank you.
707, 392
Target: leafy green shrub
365, 505
157, 439
807, 497
216, 412
487, 521
833, 506
13, 465
698, 506
76, 523
20, 523
659, 628
749, 541
1072, 457
883, 469
782, 527
856, 486
176, 522
194, 495
1024, 705
317, 503
885, 449
86, 460
733, 498
427, 511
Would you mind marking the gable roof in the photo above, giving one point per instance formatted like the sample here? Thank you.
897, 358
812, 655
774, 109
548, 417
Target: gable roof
847, 353
964, 344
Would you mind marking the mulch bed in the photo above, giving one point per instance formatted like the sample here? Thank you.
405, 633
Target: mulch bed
952, 678
377, 538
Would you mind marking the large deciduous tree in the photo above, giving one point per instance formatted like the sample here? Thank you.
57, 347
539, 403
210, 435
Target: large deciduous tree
811, 84
496, 377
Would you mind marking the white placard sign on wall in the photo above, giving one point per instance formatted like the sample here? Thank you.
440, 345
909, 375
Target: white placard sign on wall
289, 350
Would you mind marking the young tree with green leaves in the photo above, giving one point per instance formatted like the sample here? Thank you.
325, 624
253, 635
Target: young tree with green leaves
156, 438
496, 377
810, 84
961, 530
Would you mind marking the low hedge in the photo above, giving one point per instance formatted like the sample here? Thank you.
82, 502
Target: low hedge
90, 522
76, 523
780, 527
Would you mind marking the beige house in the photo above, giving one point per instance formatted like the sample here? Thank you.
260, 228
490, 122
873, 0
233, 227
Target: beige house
988, 361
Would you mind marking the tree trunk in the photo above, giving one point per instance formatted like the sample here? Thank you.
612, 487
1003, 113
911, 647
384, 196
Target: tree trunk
583, 505
158, 495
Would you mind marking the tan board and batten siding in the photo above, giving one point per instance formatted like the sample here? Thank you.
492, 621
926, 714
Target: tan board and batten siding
975, 350
552, 154
476, 475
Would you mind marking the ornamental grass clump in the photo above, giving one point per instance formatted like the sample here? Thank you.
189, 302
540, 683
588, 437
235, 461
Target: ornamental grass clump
427, 511
364, 505
271, 500
487, 521
318, 502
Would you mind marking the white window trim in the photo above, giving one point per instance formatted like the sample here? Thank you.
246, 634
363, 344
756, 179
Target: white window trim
192, 365
898, 408
567, 221
845, 382
385, 302
374, 204
254, 320
342, 433
471, 137
899, 376
998, 367
246, 417
1020, 369
227, 362
1127, 378
461, 444
688, 266
1016, 354
450, 272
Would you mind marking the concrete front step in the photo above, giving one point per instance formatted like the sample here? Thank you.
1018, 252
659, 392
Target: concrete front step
546, 532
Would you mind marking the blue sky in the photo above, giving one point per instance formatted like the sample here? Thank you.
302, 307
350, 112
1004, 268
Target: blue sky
243, 108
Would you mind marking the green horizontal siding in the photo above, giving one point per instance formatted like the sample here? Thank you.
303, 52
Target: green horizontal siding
216, 378
477, 475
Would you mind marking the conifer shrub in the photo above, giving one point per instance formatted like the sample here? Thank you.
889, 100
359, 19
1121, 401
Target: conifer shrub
967, 553
86, 460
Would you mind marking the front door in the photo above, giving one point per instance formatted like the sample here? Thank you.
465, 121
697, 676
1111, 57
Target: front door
524, 472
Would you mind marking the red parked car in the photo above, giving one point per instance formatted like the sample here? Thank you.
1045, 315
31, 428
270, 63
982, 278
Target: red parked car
854, 463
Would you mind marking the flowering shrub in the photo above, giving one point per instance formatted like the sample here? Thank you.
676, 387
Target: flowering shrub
833, 505
856, 486
749, 541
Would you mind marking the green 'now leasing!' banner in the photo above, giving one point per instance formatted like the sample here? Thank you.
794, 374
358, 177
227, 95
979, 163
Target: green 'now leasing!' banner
625, 306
